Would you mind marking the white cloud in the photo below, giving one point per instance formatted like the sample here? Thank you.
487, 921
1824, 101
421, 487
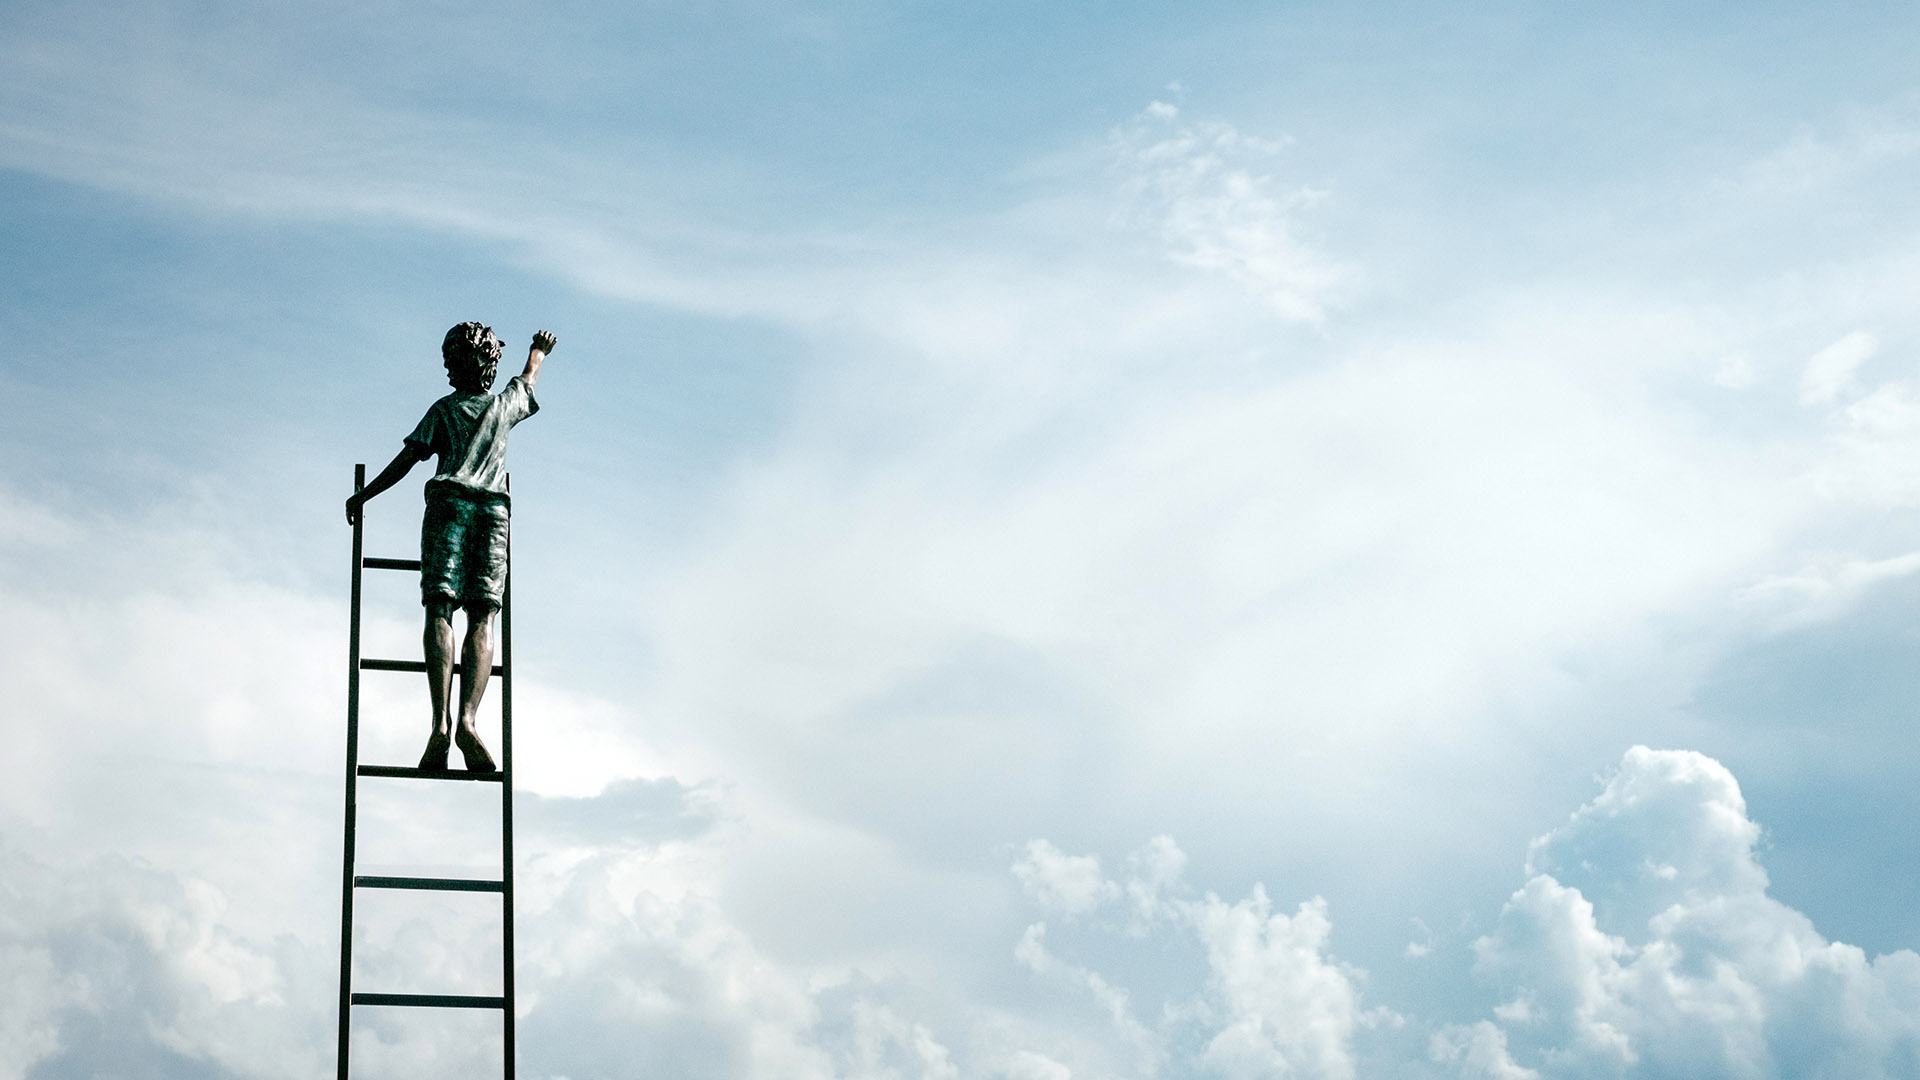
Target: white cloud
1479, 1052
613, 951
1145, 1045
1465, 516
1069, 884
146, 109
1646, 944
1422, 942
1643, 944
111, 967
224, 963
890, 1048
1203, 187
1289, 1011
1873, 452
29, 524
1825, 590
1273, 1004
193, 626
1830, 372
1816, 160
1154, 876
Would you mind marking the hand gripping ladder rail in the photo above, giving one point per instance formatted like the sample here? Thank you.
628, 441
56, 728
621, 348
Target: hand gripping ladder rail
349, 881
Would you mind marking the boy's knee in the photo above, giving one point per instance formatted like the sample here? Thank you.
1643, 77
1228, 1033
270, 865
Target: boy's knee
479, 614
439, 611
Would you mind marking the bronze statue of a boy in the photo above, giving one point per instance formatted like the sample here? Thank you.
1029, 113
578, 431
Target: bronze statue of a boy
463, 538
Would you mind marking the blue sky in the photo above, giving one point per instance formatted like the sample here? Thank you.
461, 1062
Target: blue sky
1228, 541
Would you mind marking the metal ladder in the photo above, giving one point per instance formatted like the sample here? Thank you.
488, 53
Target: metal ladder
349, 881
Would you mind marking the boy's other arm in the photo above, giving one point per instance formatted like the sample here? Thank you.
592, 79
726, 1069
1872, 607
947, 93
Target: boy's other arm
543, 343
402, 463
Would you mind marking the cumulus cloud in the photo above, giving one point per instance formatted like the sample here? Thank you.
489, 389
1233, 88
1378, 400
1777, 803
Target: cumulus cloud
1154, 877
113, 967
1288, 1011
116, 968
1645, 944
1069, 884
887, 1047
1478, 1052
613, 950
1273, 1003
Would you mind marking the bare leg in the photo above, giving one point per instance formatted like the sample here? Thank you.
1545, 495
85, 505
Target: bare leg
437, 641
477, 665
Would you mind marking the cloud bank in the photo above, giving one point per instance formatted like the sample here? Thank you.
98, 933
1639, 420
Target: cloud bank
1643, 943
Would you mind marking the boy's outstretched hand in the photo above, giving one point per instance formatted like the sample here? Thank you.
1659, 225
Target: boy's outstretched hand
542, 345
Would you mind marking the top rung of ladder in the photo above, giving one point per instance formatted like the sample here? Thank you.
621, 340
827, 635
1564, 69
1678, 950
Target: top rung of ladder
373, 562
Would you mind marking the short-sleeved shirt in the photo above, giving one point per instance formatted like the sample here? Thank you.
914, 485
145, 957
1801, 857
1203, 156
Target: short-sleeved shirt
469, 432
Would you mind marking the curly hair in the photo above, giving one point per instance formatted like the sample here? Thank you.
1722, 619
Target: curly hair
471, 352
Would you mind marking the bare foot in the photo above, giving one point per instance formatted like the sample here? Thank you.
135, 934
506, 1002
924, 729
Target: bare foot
435, 756
471, 748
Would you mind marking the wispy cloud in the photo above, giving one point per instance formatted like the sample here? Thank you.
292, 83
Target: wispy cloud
1831, 371
1205, 188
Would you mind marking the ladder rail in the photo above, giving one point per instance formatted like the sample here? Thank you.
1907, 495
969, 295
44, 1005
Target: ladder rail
506, 798
353, 775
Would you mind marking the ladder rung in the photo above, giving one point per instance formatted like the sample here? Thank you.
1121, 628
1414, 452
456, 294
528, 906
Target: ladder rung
374, 563
437, 884
409, 772
407, 665
433, 1001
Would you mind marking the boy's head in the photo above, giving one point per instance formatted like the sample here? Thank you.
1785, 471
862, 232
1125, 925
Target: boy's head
472, 355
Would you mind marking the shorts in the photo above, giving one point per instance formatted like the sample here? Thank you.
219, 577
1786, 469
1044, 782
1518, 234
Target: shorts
463, 548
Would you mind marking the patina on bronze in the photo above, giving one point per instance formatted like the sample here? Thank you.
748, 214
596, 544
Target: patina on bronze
463, 536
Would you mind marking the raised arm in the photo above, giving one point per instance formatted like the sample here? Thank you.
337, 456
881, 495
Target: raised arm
542, 345
402, 463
